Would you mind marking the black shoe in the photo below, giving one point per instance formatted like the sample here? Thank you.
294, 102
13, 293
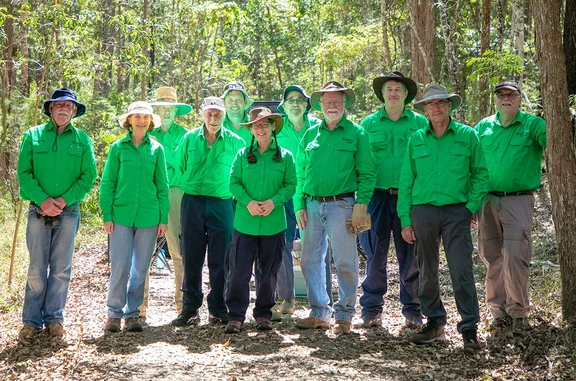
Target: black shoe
218, 319
414, 322
186, 319
433, 330
470, 340
520, 323
500, 324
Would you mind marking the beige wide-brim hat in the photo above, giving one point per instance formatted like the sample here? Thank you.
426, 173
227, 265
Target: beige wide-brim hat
166, 96
259, 113
140, 107
332, 87
433, 92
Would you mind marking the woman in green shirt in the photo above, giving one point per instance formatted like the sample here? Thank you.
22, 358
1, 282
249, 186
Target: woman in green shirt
263, 178
134, 202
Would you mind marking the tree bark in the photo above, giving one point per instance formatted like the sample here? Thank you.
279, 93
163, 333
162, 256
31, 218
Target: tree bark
570, 44
385, 43
423, 30
144, 54
518, 33
484, 94
561, 159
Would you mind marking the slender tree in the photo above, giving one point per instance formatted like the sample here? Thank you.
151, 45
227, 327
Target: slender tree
570, 44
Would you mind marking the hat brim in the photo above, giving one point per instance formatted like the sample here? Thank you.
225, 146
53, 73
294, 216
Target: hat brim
315, 97
454, 98
181, 108
278, 121
81, 108
506, 87
379, 82
249, 101
155, 118
301, 91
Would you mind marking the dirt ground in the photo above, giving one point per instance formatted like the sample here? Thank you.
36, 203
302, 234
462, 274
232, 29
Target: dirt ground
543, 352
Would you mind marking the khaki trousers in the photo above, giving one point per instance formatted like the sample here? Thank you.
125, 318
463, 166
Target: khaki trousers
173, 240
505, 246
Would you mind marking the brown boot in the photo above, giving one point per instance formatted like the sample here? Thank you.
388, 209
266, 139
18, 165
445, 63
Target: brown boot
311, 322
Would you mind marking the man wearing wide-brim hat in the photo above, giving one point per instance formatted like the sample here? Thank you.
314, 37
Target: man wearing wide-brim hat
389, 130
169, 134
56, 169
443, 180
295, 104
205, 157
335, 182
513, 143
237, 103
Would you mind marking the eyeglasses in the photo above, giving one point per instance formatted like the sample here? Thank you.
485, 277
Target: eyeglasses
507, 95
440, 104
298, 101
261, 126
332, 103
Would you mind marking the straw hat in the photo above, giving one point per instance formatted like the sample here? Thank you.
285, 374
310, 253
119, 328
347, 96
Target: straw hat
166, 96
140, 107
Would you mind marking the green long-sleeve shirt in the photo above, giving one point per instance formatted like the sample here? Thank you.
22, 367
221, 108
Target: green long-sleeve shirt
332, 162
205, 170
170, 141
388, 142
243, 132
264, 180
442, 171
289, 138
56, 165
513, 153
134, 186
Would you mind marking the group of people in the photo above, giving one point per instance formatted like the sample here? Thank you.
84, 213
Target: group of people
237, 190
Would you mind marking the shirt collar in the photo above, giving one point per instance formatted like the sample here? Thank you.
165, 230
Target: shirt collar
384, 115
340, 124
451, 126
518, 119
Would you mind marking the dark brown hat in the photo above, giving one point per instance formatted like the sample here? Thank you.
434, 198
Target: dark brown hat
395, 75
259, 113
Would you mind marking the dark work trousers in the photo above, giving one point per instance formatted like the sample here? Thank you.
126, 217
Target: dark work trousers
245, 251
452, 224
375, 242
205, 222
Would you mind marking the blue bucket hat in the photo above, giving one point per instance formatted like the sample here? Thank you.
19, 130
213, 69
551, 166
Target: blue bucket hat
289, 89
62, 95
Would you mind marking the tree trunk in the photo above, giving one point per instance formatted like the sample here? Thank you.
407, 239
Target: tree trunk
484, 94
423, 30
144, 54
103, 75
518, 33
561, 160
570, 44
385, 43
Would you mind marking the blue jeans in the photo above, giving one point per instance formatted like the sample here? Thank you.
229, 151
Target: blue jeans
51, 247
375, 242
131, 250
328, 221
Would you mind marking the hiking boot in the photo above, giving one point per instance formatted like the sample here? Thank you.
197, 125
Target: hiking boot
277, 316
233, 327
142, 321
186, 319
112, 325
287, 306
520, 323
26, 333
500, 324
470, 340
433, 330
262, 324
221, 319
414, 322
368, 322
132, 324
311, 322
342, 327
56, 329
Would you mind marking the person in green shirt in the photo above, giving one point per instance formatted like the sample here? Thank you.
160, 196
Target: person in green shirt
262, 180
207, 211
513, 143
443, 180
135, 206
296, 105
336, 178
237, 103
56, 169
169, 134
389, 130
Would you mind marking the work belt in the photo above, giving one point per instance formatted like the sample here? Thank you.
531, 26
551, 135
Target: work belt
338, 197
504, 194
392, 191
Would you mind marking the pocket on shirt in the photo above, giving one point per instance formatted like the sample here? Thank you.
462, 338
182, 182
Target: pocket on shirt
421, 157
75, 150
346, 156
520, 141
40, 147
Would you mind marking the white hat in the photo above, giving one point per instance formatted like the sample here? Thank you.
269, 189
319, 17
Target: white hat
140, 107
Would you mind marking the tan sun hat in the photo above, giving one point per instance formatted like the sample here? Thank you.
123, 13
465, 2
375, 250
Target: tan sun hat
166, 96
140, 107
331, 87
259, 113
